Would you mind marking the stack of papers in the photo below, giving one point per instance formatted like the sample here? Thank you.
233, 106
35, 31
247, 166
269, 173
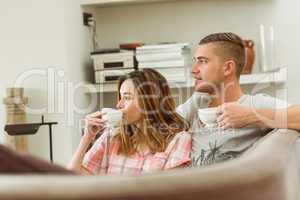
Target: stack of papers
171, 60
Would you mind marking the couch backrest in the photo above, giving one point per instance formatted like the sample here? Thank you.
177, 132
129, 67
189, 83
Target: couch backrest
268, 171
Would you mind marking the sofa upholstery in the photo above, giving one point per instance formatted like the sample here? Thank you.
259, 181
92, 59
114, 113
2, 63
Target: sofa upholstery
267, 171
13, 162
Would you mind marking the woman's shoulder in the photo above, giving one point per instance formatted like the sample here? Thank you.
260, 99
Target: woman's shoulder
182, 138
183, 134
180, 145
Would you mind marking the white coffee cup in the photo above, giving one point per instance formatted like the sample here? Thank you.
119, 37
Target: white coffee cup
112, 116
208, 116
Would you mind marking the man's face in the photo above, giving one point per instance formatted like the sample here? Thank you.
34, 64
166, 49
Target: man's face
207, 68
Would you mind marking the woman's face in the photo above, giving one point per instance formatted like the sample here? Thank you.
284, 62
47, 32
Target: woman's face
129, 103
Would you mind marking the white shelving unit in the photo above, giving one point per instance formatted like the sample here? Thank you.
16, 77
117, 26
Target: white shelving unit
112, 87
104, 3
279, 76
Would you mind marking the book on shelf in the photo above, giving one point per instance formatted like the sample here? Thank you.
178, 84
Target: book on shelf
165, 64
164, 55
178, 74
177, 71
161, 56
166, 50
163, 46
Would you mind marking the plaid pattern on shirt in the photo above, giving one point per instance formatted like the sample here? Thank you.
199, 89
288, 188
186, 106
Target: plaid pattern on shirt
102, 158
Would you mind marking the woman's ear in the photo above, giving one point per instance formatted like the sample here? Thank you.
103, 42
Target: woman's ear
229, 68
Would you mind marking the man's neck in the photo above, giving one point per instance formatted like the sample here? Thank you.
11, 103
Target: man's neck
231, 92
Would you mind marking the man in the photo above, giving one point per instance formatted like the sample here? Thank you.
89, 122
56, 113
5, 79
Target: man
242, 119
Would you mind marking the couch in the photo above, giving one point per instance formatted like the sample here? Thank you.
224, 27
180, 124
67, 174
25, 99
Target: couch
267, 171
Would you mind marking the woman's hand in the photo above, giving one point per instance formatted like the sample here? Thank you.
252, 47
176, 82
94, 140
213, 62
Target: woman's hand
94, 124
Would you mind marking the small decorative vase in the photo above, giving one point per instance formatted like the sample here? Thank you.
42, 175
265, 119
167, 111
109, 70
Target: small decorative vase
250, 56
15, 103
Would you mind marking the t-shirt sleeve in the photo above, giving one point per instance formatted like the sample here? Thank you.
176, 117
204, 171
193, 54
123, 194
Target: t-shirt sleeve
179, 151
93, 159
266, 101
188, 109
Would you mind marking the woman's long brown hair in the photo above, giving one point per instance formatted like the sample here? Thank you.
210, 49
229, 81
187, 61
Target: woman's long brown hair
160, 119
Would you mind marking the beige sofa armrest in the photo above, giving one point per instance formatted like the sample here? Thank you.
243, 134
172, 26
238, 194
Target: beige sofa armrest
268, 171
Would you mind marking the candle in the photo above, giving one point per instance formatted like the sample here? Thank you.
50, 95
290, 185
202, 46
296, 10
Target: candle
272, 49
272, 33
263, 47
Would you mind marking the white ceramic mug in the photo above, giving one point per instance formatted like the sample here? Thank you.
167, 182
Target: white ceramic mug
208, 116
112, 116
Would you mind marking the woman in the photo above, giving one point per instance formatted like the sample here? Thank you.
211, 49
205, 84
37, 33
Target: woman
151, 136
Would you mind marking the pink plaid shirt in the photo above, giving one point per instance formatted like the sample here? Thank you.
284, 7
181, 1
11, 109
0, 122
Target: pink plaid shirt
102, 158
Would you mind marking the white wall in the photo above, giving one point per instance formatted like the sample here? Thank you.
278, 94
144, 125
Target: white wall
38, 34
189, 21
79, 67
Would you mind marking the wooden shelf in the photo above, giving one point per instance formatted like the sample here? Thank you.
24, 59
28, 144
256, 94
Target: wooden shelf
279, 76
104, 3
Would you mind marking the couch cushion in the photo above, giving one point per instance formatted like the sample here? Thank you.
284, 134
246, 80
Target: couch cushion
261, 174
16, 163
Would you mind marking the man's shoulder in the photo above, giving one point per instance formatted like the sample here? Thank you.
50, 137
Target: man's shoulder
258, 96
262, 100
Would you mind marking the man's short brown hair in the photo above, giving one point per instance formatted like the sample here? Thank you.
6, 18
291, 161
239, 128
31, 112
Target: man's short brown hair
228, 45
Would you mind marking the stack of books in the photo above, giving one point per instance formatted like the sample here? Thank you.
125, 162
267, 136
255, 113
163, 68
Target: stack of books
171, 60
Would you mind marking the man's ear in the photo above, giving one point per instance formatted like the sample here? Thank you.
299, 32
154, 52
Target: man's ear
229, 68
